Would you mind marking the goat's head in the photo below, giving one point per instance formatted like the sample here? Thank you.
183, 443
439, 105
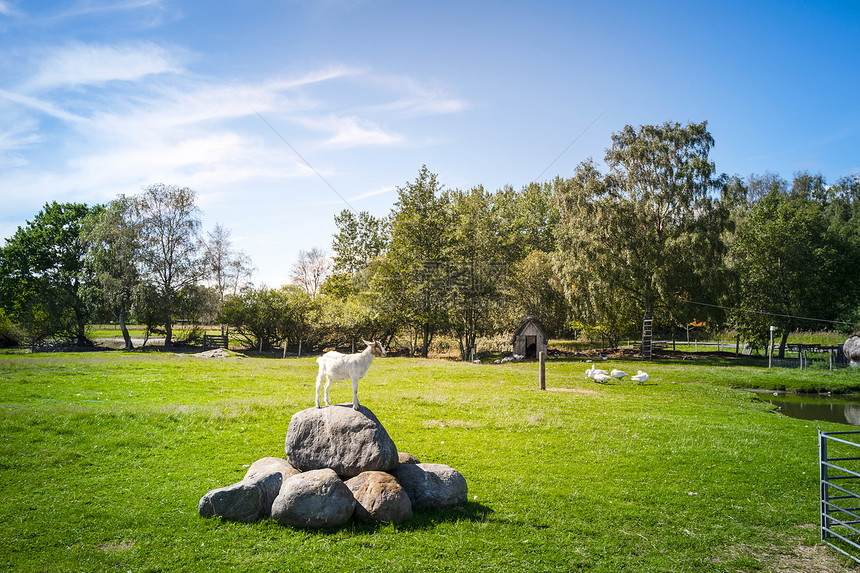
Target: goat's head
375, 348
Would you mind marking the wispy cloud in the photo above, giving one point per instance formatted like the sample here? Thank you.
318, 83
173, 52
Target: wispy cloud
417, 98
6, 9
89, 64
374, 193
91, 7
45, 107
354, 132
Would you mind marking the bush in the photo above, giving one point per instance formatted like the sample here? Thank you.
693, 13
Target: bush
10, 334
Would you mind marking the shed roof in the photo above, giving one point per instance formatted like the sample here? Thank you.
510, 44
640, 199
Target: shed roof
525, 322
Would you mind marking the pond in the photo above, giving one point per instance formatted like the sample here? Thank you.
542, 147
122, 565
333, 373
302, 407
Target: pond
843, 409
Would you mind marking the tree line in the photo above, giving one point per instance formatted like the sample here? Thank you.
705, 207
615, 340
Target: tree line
658, 233
141, 258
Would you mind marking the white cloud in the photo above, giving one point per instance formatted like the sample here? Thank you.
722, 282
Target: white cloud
417, 98
374, 193
88, 64
357, 132
41, 106
6, 9
89, 7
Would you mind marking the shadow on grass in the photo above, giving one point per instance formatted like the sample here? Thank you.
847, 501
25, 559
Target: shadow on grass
423, 519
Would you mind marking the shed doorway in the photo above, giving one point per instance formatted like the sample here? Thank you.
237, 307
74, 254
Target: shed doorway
531, 347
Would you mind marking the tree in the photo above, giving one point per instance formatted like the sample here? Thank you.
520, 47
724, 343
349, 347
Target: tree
647, 234
359, 240
225, 267
43, 276
475, 266
311, 270
532, 288
788, 255
416, 281
265, 317
169, 231
527, 220
114, 249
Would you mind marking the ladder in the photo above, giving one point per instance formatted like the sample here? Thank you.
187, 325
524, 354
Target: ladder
646, 338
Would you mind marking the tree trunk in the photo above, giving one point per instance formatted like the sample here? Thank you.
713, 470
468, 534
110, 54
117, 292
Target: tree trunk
425, 347
782, 342
129, 345
168, 332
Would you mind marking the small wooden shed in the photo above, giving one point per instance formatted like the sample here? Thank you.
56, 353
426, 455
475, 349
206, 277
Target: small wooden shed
529, 338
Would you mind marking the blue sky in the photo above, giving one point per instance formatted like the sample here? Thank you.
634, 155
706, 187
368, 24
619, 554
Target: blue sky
101, 97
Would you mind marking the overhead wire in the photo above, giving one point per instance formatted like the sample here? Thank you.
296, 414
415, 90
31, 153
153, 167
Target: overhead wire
306, 162
768, 313
581, 133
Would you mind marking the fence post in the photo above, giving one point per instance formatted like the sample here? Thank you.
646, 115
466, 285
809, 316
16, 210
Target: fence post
542, 372
822, 476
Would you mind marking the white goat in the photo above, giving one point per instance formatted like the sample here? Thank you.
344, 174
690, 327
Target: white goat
336, 366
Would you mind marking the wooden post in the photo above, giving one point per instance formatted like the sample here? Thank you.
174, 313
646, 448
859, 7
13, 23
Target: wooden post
542, 375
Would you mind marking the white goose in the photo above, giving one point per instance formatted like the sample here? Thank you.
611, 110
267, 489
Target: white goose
640, 377
602, 377
618, 374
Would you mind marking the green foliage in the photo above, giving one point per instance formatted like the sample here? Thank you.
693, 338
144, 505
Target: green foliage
419, 231
169, 226
526, 220
789, 252
10, 335
647, 235
532, 288
475, 267
43, 276
266, 318
114, 249
359, 240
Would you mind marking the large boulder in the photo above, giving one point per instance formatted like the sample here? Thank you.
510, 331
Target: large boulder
338, 437
316, 498
248, 500
851, 349
378, 496
432, 485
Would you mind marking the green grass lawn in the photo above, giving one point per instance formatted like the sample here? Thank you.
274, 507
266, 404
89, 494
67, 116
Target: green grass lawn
104, 457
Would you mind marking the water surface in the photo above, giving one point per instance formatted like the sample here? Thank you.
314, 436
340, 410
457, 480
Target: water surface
842, 409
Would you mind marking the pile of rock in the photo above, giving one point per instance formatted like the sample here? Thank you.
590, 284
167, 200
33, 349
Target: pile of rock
340, 463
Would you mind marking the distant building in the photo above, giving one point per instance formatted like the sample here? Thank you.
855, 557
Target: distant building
529, 338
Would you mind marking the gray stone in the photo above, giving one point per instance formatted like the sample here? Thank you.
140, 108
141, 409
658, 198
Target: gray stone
432, 485
851, 349
405, 458
248, 500
266, 466
378, 496
337, 437
316, 498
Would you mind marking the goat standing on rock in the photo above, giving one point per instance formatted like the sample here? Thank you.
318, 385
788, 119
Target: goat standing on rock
337, 366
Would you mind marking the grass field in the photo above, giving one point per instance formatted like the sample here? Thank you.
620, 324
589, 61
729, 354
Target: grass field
104, 456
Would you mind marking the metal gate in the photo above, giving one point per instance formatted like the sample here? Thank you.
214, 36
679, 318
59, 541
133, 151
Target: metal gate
839, 467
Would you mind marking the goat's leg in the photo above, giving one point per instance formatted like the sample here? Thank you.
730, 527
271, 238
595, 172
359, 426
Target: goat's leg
355, 393
327, 387
319, 383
